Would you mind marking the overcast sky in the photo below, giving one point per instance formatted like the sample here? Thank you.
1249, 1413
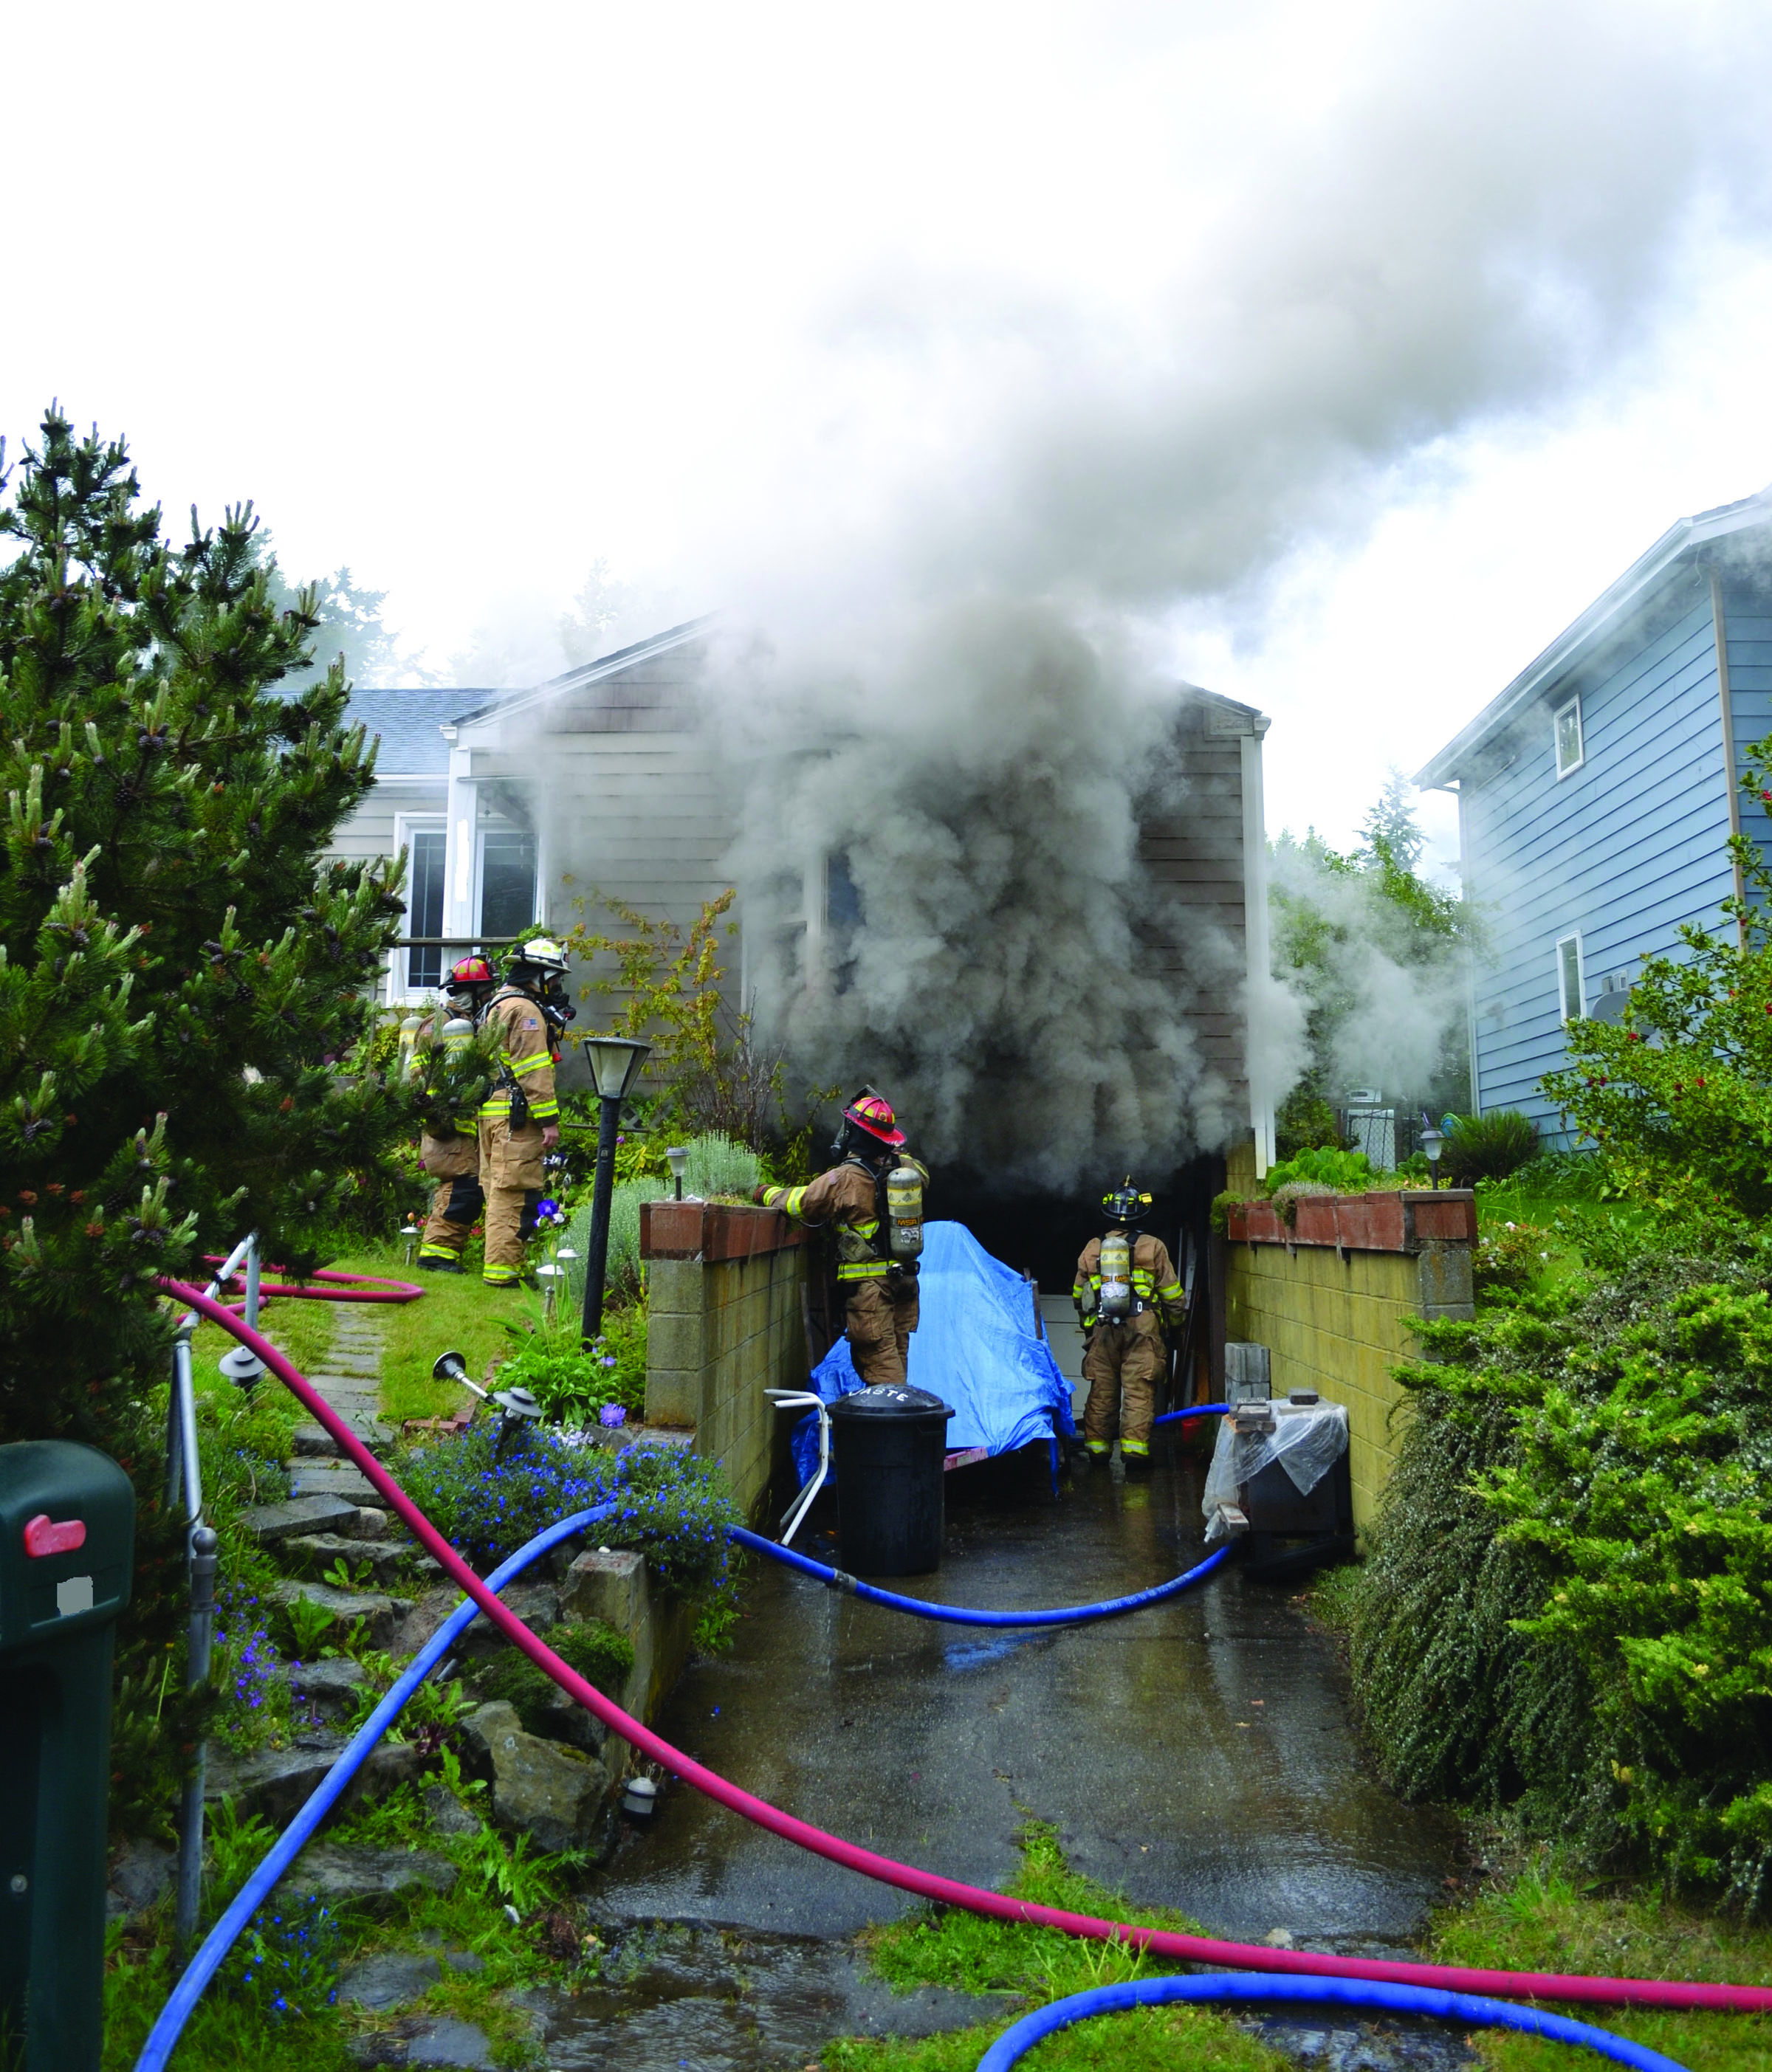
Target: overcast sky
1345, 353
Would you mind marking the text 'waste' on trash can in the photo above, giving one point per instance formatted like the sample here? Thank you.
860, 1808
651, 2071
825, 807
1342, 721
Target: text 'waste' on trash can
67, 1533
891, 1446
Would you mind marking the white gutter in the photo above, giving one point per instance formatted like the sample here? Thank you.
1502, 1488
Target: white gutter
1259, 954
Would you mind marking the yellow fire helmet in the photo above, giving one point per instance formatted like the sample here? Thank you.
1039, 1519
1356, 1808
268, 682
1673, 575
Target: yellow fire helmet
540, 955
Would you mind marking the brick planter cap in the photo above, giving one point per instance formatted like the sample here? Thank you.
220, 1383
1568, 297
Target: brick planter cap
712, 1231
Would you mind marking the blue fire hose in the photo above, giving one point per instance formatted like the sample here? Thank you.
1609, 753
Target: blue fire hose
252, 1894
1015, 2043
838, 1579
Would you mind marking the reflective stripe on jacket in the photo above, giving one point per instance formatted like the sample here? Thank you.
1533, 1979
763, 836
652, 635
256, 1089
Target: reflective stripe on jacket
1156, 1285
525, 1053
847, 1199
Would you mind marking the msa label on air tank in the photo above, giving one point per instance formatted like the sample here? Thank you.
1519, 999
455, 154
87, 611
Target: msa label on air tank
73, 1593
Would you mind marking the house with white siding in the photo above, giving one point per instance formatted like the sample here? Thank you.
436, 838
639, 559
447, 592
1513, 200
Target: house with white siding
1596, 793
467, 782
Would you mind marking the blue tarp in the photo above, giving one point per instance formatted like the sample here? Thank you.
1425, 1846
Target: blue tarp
977, 1346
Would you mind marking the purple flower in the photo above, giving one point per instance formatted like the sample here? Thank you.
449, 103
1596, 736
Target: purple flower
611, 1413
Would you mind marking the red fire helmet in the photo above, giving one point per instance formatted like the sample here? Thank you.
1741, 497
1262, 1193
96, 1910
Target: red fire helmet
470, 971
873, 1112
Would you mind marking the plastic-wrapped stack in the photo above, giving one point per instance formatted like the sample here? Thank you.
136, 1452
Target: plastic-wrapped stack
1307, 1437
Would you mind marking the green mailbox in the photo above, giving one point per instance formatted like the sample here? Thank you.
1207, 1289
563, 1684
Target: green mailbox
67, 1531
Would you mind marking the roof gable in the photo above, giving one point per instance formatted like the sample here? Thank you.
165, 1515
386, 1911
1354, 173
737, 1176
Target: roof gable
1629, 594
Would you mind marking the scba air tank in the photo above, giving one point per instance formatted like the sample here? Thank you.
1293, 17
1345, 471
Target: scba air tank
1114, 1304
904, 1211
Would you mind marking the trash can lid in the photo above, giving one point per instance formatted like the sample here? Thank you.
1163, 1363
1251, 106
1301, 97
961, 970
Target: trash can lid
885, 1399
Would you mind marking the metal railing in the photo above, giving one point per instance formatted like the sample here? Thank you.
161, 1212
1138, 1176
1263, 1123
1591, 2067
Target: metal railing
185, 1484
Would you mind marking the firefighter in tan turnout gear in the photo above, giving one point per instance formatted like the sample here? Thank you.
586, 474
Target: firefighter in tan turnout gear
449, 1149
872, 1201
519, 1118
1125, 1284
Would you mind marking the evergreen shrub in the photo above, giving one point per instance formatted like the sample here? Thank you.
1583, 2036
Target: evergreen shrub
182, 994
1569, 1604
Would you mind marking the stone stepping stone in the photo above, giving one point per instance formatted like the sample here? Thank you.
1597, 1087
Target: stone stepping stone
378, 1612
270, 1523
338, 1479
320, 1550
312, 1442
369, 1879
276, 1784
443, 2041
390, 1979
328, 1684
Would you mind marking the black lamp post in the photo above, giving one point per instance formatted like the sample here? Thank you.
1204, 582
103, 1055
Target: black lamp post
614, 1065
1433, 1142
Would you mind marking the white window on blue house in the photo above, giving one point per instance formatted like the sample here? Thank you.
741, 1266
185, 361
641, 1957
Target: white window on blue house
1572, 989
1567, 726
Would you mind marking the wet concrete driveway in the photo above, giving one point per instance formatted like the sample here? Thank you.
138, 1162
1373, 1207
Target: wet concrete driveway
1198, 1755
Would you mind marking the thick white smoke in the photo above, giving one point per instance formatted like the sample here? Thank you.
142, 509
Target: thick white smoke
993, 951
1384, 996
957, 597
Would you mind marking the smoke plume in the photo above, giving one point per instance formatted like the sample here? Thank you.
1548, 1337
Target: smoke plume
949, 670
957, 825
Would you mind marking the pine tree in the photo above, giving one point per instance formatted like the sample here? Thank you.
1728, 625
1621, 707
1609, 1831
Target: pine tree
183, 982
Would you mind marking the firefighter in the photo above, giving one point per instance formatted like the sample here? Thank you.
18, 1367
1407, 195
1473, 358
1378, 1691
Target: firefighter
450, 1151
519, 1118
1126, 1289
877, 1239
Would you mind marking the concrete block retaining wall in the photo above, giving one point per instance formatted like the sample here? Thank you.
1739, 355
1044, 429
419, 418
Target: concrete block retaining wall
726, 1293
1334, 1296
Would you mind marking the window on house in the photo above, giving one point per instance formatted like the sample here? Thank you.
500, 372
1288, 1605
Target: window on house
1568, 737
842, 918
425, 906
507, 881
1570, 990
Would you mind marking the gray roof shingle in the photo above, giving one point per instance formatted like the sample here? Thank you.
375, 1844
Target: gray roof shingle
408, 720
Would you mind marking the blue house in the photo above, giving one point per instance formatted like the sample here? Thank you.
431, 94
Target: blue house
1596, 793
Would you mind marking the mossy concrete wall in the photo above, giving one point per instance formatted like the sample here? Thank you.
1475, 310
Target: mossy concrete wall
722, 1331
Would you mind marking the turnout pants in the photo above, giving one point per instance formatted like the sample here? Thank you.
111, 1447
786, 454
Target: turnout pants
881, 1314
454, 1209
511, 1174
1123, 1361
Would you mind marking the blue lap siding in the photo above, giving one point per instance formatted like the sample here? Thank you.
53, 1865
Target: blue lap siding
1627, 847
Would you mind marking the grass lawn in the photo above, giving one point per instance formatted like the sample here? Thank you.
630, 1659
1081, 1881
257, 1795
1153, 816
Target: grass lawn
1543, 1922
978, 1956
456, 1312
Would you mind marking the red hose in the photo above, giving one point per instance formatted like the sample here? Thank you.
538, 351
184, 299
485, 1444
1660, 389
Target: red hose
949, 1892
358, 1288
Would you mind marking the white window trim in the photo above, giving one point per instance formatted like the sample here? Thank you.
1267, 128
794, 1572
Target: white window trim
1580, 978
405, 826
1568, 769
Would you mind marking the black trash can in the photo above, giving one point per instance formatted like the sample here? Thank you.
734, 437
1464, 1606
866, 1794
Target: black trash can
890, 1444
